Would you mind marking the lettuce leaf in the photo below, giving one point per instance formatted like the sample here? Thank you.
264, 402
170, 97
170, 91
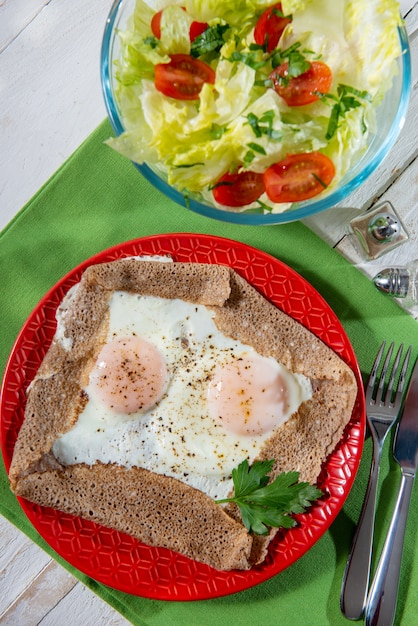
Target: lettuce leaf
371, 32
175, 26
237, 14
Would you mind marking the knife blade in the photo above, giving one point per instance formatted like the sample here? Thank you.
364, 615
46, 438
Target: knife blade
405, 449
383, 596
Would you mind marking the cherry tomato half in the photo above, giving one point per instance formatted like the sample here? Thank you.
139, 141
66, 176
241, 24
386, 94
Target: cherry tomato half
270, 26
238, 189
298, 177
156, 24
302, 89
183, 77
196, 28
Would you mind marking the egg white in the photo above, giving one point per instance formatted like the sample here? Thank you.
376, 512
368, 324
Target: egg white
177, 437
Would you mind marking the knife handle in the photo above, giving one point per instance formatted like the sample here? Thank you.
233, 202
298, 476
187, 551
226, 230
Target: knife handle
381, 602
357, 572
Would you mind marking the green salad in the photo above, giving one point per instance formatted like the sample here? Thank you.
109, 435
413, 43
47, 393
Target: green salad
253, 104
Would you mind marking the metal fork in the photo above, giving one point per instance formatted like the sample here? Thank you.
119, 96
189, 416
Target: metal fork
383, 404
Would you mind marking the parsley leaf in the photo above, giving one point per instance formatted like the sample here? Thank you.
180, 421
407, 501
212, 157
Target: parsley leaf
263, 504
211, 40
247, 480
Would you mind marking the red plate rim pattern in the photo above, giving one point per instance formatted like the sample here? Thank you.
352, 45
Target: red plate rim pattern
119, 561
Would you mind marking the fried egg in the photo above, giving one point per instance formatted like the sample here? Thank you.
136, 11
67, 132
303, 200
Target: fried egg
172, 394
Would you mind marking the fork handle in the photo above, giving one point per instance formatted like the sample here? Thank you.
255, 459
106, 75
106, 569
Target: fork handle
381, 603
356, 577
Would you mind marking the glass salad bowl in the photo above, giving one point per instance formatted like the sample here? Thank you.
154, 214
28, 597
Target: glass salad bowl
389, 118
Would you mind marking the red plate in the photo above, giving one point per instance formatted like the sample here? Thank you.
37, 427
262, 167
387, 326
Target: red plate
120, 561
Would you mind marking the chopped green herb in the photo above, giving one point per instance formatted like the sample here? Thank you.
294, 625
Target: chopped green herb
151, 41
186, 200
267, 82
249, 157
263, 504
296, 59
216, 131
252, 59
211, 40
221, 183
253, 121
255, 46
256, 147
186, 165
264, 206
264, 125
319, 180
348, 98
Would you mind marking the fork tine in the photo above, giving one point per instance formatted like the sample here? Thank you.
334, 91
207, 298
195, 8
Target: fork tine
402, 378
376, 384
394, 374
372, 377
383, 374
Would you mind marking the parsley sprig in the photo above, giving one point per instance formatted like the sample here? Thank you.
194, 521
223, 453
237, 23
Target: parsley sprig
263, 504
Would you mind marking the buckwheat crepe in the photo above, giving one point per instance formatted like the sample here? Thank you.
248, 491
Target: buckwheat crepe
157, 509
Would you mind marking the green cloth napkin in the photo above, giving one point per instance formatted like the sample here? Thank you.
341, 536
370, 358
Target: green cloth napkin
98, 199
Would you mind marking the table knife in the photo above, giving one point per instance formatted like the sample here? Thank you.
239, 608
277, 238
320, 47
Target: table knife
382, 598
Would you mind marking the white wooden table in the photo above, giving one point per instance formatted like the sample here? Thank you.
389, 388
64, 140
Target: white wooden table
50, 102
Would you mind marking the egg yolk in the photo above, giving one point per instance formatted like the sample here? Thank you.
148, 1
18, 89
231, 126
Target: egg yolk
248, 395
130, 375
